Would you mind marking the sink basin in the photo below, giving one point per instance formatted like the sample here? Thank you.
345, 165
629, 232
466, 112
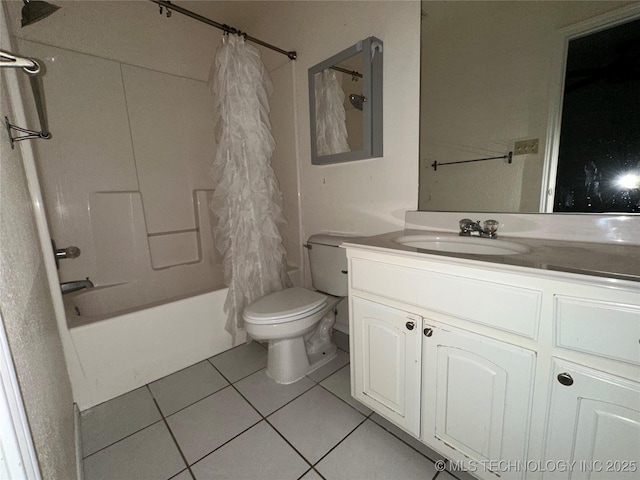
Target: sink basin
469, 245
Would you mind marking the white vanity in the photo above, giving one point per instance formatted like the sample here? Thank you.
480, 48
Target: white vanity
513, 364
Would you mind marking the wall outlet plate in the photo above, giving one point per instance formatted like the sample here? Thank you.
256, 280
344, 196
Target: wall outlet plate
526, 146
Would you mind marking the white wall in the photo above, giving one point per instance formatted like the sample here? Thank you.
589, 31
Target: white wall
368, 196
488, 75
29, 317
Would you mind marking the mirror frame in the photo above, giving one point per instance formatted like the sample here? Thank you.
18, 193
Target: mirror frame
371, 50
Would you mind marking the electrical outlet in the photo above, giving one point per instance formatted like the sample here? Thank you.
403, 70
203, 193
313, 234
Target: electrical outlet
526, 146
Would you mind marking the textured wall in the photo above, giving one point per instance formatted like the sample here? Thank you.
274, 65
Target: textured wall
27, 311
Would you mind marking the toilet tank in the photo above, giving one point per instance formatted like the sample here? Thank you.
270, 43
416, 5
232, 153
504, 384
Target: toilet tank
328, 262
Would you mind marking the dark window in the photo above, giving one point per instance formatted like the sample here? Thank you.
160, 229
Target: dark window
599, 154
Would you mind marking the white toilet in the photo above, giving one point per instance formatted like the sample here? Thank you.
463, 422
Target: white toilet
296, 321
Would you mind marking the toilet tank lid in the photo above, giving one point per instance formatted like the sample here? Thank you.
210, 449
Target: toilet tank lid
330, 240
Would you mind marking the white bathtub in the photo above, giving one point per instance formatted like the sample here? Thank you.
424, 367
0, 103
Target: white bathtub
124, 349
121, 346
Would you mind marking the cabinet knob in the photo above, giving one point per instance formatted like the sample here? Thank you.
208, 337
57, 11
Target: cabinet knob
565, 379
428, 332
410, 325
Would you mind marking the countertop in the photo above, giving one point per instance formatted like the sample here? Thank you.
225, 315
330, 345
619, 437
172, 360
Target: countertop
607, 260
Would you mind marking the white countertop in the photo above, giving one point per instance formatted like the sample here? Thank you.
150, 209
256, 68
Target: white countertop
608, 260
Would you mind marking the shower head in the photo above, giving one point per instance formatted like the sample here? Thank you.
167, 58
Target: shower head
35, 10
357, 100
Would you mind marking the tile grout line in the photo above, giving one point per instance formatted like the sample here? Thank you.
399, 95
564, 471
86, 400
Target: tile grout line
185, 368
241, 378
312, 466
253, 373
268, 422
225, 443
340, 442
396, 436
200, 399
185, 470
175, 441
281, 407
344, 401
123, 438
316, 472
235, 436
230, 384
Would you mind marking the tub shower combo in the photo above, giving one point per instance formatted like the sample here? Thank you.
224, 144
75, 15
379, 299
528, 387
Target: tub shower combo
144, 289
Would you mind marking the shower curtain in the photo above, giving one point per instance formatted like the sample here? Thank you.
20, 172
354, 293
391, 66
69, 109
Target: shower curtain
247, 200
331, 126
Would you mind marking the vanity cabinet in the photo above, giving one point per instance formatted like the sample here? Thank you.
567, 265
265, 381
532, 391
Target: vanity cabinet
386, 364
594, 420
476, 395
507, 372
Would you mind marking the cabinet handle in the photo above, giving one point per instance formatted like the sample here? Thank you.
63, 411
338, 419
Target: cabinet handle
410, 325
428, 332
565, 379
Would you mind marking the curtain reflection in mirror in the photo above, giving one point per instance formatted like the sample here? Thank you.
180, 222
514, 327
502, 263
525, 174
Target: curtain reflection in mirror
331, 126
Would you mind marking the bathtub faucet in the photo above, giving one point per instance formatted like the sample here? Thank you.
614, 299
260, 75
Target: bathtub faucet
74, 286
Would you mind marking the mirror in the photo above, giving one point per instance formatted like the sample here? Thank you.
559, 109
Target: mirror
345, 104
488, 81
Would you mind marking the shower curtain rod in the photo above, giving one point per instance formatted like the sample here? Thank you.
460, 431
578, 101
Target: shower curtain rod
171, 7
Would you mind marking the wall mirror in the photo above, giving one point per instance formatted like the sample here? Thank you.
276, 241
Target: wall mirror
478, 98
345, 104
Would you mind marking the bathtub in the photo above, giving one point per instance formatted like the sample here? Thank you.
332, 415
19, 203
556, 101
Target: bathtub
121, 347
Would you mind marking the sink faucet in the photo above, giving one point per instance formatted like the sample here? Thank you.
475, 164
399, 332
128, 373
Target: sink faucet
74, 286
470, 228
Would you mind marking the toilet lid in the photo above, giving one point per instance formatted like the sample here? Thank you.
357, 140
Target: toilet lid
290, 304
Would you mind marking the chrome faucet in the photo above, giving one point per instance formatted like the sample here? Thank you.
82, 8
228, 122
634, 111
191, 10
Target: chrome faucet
74, 286
470, 228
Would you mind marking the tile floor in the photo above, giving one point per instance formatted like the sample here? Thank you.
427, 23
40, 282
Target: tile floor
223, 418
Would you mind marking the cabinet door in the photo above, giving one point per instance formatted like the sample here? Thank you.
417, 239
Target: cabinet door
476, 398
594, 424
386, 362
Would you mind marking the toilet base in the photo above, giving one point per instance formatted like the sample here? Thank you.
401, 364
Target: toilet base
290, 359
288, 362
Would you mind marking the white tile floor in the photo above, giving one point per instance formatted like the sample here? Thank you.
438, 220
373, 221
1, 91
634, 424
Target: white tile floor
223, 418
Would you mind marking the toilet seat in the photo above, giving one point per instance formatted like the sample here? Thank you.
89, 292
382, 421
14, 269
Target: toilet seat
285, 306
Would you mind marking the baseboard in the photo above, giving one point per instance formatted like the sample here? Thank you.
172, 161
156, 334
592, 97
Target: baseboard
78, 439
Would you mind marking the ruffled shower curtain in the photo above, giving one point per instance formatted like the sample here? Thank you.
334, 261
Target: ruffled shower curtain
247, 200
331, 120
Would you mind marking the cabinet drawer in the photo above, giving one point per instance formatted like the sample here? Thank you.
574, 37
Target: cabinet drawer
607, 329
509, 308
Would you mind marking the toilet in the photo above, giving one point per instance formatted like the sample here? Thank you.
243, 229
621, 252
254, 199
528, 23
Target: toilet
297, 322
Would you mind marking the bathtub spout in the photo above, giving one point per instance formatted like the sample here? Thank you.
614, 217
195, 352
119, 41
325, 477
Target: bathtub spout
74, 286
